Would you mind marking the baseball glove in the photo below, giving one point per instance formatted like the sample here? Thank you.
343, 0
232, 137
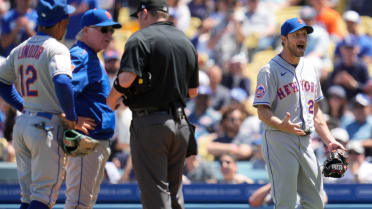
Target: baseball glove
77, 144
336, 164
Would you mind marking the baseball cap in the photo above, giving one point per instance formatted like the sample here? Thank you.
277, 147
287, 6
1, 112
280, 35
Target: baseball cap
307, 13
355, 146
351, 16
50, 12
152, 5
349, 41
293, 25
340, 134
110, 55
362, 99
98, 17
337, 90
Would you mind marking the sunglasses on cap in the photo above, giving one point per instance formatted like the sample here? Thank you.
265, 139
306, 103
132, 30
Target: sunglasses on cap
105, 30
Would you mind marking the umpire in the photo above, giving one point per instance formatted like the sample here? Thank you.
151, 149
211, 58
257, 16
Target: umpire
158, 72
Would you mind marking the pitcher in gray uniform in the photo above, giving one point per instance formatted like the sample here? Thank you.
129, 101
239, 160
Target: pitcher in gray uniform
287, 96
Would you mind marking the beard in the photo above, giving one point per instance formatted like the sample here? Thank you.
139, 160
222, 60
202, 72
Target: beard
295, 51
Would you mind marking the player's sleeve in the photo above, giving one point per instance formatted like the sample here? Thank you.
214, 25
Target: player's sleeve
7, 71
11, 96
265, 89
194, 81
318, 91
80, 79
134, 57
60, 61
65, 95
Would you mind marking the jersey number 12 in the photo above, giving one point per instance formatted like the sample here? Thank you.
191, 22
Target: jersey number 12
28, 78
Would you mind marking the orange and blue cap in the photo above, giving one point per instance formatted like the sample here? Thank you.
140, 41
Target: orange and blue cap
293, 25
99, 18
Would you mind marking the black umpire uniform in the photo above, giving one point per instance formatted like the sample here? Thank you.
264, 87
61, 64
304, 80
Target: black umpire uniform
165, 63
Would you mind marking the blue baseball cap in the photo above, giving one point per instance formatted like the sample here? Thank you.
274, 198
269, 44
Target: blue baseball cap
98, 17
50, 12
293, 25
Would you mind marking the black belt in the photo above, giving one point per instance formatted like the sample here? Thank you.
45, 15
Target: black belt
138, 112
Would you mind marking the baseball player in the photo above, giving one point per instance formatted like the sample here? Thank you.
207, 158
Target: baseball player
287, 96
41, 66
91, 87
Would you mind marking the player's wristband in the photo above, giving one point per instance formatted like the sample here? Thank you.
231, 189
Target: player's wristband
118, 87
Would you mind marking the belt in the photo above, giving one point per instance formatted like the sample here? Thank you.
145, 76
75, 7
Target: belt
46, 115
138, 112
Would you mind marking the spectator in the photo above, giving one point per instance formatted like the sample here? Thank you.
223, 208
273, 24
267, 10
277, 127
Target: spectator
180, 13
232, 117
229, 171
363, 7
234, 77
363, 41
329, 18
111, 57
17, 25
351, 73
198, 8
202, 115
227, 36
338, 112
317, 43
360, 128
220, 94
258, 23
198, 170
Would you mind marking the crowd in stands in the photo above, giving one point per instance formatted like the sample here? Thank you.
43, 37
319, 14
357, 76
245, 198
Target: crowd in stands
234, 38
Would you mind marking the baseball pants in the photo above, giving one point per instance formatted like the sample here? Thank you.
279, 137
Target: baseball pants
84, 177
40, 163
293, 169
158, 148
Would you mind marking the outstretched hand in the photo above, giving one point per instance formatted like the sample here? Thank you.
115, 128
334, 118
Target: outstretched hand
289, 127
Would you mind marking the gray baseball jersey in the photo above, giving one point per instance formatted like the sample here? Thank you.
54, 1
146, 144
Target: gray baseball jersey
288, 89
33, 64
290, 159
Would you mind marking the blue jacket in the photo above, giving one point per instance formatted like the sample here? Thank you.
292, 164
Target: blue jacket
91, 87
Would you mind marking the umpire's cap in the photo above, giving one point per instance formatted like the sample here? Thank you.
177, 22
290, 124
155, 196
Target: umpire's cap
293, 25
50, 12
152, 5
98, 17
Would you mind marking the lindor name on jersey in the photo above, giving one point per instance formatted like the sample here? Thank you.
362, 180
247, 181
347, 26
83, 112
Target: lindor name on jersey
30, 51
287, 89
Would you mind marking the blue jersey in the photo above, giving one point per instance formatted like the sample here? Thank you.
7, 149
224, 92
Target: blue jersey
8, 24
91, 88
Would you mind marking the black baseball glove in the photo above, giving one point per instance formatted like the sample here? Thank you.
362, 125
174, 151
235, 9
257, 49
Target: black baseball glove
77, 144
336, 164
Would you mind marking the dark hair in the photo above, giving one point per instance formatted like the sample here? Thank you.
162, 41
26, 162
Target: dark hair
227, 110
